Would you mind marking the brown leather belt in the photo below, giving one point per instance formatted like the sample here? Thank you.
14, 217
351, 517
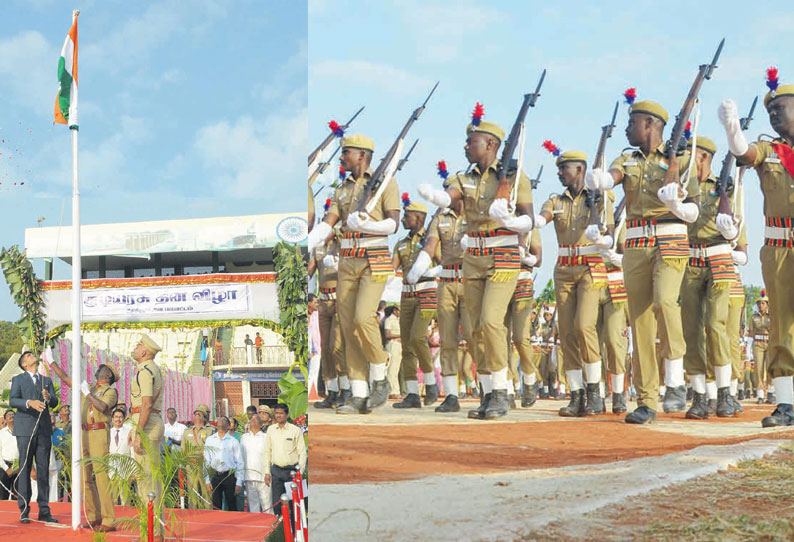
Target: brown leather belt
136, 410
94, 426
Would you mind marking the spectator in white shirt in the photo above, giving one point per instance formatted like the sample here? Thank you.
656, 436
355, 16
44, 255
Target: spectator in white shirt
173, 430
9, 453
224, 462
119, 445
253, 450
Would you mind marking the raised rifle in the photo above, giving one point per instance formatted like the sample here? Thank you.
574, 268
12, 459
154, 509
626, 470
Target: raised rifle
321, 167
402, 161
388, 165
536, 181
676, 142
726, 179
593, 197
504, 190
315, 154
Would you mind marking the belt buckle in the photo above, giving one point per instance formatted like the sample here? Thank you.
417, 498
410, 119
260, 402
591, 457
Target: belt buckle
480, 241
649, 229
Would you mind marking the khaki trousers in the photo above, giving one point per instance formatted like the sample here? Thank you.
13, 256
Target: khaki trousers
150, 482
733, 329
777, 267
486, 301
97, 495
611, 326
464, 368
577, 309
452, 315
413, 333
520, 327
704, 316
357, 298
394, 350
333, 352
761, 358
652, 287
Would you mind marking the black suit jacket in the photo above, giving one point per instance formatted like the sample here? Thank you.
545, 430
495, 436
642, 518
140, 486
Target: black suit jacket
23, 390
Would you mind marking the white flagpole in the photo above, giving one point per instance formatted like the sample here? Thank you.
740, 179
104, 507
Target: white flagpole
77, 377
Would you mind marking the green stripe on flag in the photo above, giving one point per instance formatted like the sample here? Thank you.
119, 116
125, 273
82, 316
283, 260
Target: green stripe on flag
65, 91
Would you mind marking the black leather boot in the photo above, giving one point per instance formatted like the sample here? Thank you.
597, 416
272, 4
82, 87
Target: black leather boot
431, 394
498, 406
529, 395
594, 404
479, 412
770, 398
619, 403
329, 401
344, 397
511, 401
450, 404
411, 400
782, 415
737, 406
575, 408
675, 399
641, 415
699, 409
725, 408
712, 407
356, 405
379, 394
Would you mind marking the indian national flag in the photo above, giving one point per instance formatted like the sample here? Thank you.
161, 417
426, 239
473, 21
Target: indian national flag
66, 100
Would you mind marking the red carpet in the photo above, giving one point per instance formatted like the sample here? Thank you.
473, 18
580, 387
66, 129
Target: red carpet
194, 525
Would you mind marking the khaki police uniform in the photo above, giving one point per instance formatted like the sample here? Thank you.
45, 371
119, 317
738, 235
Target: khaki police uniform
359, 287
414, 321
96, 443
487, 286
148, 382
705, 294
332, 349
777, 255
518, 316
760, 325
394, 351
736, 306
452, 315
193, 439
613, 314
653, 280
548, 371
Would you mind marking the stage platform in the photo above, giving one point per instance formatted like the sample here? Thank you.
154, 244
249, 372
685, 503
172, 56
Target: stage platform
194, 526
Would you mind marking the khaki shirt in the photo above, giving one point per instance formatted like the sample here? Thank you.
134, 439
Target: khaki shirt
571, 217
479, 191
392, 325
759, 325
326, 276
348, 194
148, 382
643, 176
285, 446
107, 395
776, 183
704, 230
196, 437
448, 228
407, 250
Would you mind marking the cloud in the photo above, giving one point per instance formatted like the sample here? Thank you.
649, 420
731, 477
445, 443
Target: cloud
28, 71
383, 77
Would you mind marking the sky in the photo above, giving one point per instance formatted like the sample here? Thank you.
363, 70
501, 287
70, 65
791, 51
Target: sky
388, 55
187, 110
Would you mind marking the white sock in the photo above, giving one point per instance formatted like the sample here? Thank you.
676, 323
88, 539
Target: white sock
771, 387
759, 393
499, 379
450, 384
487, 383
412, 386
592, 372
344, 382
711, 389
545, 389
359, 388
722, 376
332, 385
734, 386
674, 372
698, 383
662, 390
617, 383
377, 372
511, 387
562, 389
601, 388
430, 378
574, 378
529, 379
784, 390
462, 388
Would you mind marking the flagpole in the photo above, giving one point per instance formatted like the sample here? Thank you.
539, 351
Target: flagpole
77, 304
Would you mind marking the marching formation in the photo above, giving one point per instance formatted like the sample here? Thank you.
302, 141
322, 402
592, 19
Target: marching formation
656, 273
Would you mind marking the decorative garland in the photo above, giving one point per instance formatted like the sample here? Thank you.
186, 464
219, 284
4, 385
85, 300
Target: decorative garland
292, 285
26, 290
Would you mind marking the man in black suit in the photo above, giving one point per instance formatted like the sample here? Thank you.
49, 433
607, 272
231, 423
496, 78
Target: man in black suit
32, 394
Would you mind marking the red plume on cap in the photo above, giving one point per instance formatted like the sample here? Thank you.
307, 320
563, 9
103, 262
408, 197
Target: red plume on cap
476, 115
327, 204
336, 129
630, 94
763, 293
406, 199
688, 130
551, 147
771, 78
442, 170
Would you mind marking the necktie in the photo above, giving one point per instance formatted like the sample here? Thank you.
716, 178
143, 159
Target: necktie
117, 437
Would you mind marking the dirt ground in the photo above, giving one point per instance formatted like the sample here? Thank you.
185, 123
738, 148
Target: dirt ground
342, 454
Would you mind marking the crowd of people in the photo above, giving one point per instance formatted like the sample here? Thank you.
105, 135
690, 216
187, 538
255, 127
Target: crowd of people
648, 288
249, 463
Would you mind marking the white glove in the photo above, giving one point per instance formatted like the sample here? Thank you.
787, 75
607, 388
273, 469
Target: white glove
726, 226
598, 179
498, 209
434, 196
668, 194
540, 221
519, 224
421, 265
84, 388
739, 257
433, 272
604, 242
729, 118
464, 242
530, 260
363, 224
593, 232
613, 257
330, 261
318, 235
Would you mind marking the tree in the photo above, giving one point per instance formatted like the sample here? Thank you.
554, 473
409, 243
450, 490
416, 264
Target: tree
10, 341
